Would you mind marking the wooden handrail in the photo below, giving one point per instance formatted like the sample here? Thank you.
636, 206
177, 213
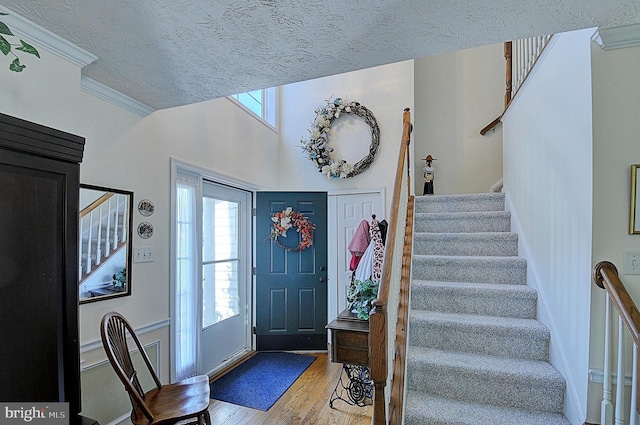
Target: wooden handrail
492, 125
605, 275
95, 204
378, 320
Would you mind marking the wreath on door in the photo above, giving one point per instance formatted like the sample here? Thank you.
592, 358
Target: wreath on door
285, 220
317, 148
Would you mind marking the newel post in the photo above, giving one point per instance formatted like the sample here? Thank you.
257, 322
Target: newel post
378, 360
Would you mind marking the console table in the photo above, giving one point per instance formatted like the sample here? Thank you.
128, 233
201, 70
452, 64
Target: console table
350, 346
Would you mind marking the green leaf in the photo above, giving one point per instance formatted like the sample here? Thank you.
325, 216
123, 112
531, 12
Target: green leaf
4, 29
16, 66
5, 47
28, 48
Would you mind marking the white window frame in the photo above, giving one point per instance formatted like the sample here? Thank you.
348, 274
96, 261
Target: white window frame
269, 107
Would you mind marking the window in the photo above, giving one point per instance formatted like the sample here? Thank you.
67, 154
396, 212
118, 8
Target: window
262, 103
220, 259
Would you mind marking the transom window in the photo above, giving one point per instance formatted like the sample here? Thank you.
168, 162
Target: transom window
261, 103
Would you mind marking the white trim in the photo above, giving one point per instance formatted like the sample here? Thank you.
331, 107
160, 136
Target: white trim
618, 37
253, 114
135, 350
597, 376
44, 38
95, 344
99, 90
213, 176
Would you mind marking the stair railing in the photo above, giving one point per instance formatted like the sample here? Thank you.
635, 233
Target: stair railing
103, 230
386, 312
520, 56
605, 275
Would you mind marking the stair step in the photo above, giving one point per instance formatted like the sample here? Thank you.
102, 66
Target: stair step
496, 336
517, 383
472, 244
463, 222
507, 270
456, 203
422, 409
475, 298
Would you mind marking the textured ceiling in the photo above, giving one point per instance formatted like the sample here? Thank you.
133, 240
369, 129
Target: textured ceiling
167, 53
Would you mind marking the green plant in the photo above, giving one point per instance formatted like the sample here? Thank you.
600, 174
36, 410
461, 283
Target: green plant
360, 295
6, 47
119, 279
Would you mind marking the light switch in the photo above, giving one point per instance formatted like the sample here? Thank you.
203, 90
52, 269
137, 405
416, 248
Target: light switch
143, 254
631, 262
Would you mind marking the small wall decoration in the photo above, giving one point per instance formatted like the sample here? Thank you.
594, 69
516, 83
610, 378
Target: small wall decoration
145, 207
285, 220
145, 230
317, 147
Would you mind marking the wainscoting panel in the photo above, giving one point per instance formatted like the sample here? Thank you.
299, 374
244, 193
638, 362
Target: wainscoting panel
113, 402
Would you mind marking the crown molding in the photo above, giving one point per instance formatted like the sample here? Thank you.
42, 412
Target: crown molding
44, 38
108, 94
618, 37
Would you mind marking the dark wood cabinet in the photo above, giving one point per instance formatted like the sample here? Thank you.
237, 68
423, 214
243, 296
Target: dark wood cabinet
349, 339
39, 349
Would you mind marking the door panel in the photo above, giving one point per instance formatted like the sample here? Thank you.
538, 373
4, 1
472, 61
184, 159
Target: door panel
351, 210
226, 254
291, 286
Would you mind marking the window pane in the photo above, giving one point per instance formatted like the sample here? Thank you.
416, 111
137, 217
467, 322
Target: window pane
220, 292
219, 230
252, 100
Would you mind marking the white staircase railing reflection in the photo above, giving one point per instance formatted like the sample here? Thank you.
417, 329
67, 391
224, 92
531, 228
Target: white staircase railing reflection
103, 230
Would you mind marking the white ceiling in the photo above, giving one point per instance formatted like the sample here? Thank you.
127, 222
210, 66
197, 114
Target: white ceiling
166, 53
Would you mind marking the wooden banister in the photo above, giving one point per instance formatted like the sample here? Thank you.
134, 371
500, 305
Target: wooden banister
95, 204
605, 275
379, 322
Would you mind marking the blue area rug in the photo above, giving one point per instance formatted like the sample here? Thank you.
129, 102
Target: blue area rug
260, 381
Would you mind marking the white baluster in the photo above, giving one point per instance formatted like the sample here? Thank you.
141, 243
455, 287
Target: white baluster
633, 414
606, 413
99, 237
125, 210
619, 419
90, 235
107, 237
81, 231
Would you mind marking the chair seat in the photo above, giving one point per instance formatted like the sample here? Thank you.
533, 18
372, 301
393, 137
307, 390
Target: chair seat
174, 402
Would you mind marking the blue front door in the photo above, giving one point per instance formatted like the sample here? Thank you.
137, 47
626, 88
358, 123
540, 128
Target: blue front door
291, 284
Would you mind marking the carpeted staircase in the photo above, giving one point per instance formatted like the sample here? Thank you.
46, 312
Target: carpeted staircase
476, 354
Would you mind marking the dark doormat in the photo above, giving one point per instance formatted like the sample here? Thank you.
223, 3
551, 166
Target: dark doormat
260, 381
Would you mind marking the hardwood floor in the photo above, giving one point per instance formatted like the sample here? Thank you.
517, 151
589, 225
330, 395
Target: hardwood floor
306, 402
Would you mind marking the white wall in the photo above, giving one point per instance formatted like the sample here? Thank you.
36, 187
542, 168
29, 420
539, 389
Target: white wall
548, 179
385, 90
457, 95
616, 126
127, 152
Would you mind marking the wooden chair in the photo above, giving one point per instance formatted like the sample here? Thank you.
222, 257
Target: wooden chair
164, 404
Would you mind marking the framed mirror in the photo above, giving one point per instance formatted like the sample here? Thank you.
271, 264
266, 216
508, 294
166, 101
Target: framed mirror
634, 216
105, 234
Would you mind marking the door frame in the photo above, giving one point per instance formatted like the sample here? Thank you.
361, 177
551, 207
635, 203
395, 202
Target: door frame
332, 241
212, 176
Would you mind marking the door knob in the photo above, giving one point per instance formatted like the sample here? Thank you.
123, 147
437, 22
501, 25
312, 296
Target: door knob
322, 279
